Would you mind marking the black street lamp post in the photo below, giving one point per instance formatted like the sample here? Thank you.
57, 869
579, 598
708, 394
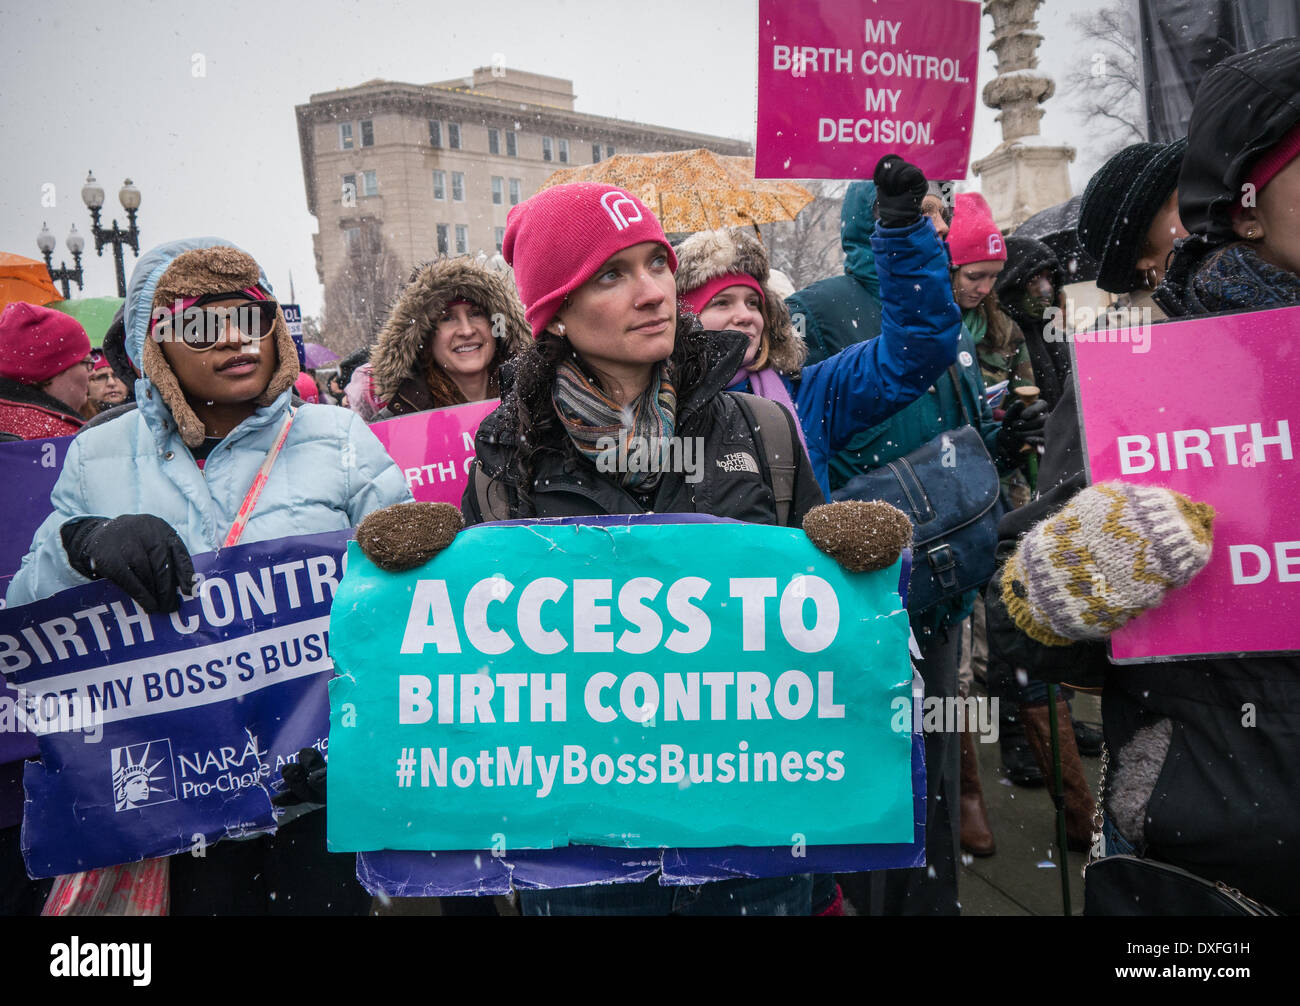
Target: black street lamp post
93, 196
45, 242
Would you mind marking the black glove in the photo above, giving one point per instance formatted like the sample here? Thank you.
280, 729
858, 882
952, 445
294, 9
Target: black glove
138, 551
304, 780
1022, 425
900, 187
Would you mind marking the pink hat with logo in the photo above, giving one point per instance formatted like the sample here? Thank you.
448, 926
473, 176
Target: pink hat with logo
973, 236
559, 238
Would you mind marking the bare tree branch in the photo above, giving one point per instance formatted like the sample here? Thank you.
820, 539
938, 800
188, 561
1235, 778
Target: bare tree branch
358, 297
808, 248
1105, 85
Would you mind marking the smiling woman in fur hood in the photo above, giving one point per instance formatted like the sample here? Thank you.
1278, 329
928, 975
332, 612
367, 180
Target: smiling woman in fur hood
723, 277
446, 338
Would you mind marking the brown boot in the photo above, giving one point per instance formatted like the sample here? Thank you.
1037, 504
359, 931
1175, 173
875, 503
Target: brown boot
1079, 805
976, 835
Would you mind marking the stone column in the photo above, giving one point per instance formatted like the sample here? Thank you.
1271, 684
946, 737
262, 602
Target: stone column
1024, 173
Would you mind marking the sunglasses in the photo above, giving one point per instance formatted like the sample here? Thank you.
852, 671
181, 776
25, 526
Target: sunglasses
201, 327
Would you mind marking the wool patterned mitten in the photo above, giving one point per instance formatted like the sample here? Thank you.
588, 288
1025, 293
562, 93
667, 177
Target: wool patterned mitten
860, 536
1108, 555
406, 535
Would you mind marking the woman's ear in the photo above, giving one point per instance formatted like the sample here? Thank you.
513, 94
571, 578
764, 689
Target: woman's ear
555, 326
1247, 224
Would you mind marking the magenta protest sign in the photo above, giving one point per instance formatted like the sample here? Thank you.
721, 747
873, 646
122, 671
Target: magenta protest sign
434, 449
840, 84
1207, 407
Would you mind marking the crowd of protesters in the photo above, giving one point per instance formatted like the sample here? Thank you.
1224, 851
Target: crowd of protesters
939, 324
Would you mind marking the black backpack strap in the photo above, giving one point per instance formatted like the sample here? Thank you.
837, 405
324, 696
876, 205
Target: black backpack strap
772, 428
490, 494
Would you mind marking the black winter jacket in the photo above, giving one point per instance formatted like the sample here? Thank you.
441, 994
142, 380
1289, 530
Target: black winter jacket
1224, 805
733, 483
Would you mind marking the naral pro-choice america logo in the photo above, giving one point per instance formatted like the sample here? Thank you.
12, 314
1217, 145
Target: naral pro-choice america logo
143, 775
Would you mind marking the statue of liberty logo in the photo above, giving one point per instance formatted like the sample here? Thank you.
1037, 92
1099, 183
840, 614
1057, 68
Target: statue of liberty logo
142, 774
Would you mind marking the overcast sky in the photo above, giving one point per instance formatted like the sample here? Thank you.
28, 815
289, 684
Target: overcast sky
111, 87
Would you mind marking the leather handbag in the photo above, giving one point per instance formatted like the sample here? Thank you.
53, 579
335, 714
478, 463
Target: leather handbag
1127, 885
949, 489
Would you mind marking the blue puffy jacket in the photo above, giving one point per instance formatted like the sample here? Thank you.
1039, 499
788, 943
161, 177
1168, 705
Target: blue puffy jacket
331, 472
869, 381
839, 310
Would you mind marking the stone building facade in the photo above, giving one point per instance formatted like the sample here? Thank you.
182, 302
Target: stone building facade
436, 167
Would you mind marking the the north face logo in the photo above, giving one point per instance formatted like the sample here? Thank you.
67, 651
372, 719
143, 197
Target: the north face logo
738, 462
143, 775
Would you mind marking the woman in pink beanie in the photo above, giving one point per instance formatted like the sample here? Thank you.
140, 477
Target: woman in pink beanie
44, 372
613, 358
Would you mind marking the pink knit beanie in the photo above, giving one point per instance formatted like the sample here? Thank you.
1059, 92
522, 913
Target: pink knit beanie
38, 343
973, 236
559, 238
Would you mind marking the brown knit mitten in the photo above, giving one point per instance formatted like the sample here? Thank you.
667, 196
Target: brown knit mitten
406, 535
860, 536
1108, 555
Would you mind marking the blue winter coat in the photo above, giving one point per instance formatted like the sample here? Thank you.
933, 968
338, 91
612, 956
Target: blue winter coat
869, 381
838, 311
331, 472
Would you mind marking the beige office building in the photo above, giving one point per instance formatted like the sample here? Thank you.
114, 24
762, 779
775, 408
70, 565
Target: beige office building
435, 168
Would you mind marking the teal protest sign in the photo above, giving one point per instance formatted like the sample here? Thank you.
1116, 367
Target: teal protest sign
685, 685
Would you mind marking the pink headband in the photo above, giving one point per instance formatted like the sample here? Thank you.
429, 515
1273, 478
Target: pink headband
699, 298
1271, 162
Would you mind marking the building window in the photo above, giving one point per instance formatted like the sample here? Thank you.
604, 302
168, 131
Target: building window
512, 143
453, 135
349, 190
595, 153
564, 151
443, 246
435, 133
369, 184
367, 133
458, 186
440, 185
609, 150
515, 186
501, 237
494, 141
345, 136
546, 149
352, 240
498, 190
462, 239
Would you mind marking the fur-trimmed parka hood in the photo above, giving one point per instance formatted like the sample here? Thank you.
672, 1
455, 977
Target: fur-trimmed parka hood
403, 348
710, 254
195, 267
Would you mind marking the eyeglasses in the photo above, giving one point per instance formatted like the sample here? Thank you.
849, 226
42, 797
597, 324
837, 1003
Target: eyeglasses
202, 327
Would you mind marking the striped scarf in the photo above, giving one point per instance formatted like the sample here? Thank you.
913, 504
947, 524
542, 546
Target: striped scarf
588, 415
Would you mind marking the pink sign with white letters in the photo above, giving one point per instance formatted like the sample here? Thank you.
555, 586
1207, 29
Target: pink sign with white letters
1208, 407
434, 449
841, 83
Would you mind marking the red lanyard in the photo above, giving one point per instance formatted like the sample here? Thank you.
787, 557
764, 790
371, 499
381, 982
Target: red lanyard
255, 490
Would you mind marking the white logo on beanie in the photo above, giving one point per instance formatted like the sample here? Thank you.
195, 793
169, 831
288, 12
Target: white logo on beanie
618, 215
995, 244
